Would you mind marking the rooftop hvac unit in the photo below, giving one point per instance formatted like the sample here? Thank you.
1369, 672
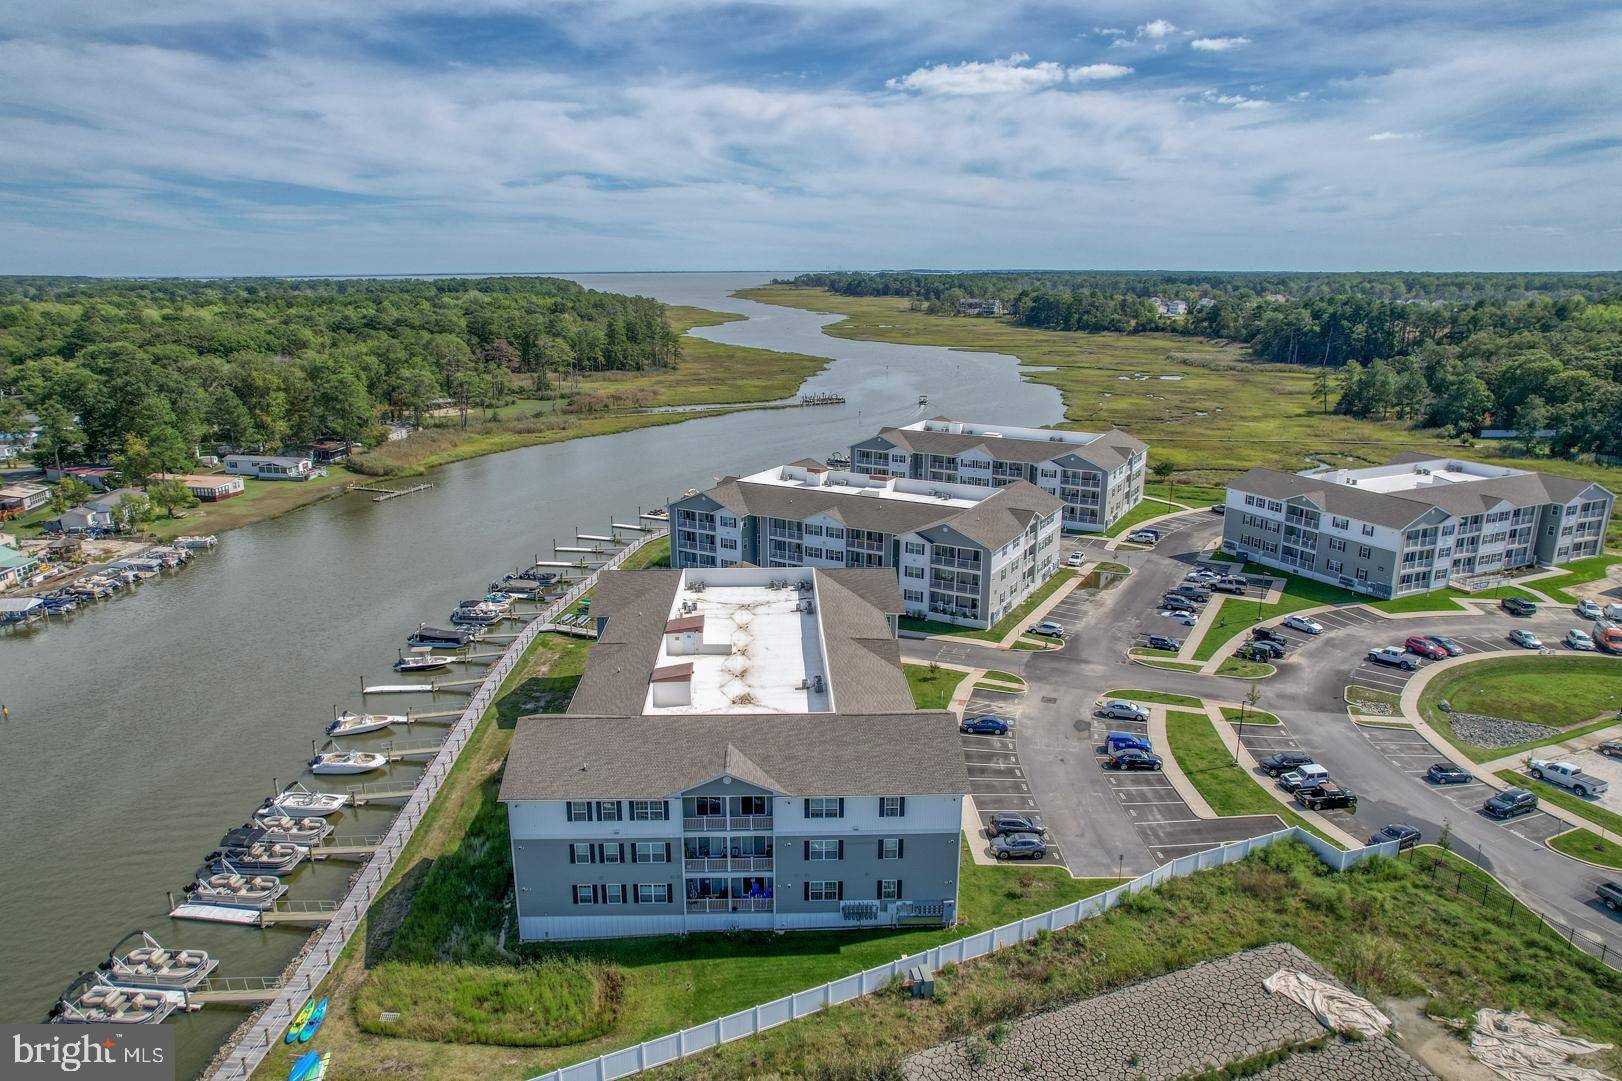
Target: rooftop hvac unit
696, 586
804, 684
805, 585
807, 606
816, 683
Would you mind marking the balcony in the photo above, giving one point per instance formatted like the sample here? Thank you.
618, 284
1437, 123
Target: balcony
854, 545
717, 823
713, 864
729, 904
949, 561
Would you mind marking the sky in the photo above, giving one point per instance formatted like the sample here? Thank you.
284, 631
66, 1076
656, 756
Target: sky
394, 136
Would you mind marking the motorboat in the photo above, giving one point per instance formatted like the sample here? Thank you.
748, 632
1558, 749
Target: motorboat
59, 604
298, 802
149, 965
91, 1000
347, 762
838, 460
308, 832
247, 851
478, 614
923, 399
500, 598
221, 884
421, 659
348, 723
454, 638
207, 541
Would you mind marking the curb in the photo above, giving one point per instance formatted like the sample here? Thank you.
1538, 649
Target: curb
1548, 843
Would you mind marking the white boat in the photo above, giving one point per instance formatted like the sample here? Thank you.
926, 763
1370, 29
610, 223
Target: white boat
207, 541
349, 723
923, 399
149, 965
307, 832
421, 659
347, 762
92, 1000
297, 801
229, 888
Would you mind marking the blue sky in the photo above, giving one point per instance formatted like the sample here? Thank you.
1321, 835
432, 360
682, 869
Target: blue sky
327, 136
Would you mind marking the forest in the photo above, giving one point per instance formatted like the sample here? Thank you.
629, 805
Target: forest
175, 365
1538, 353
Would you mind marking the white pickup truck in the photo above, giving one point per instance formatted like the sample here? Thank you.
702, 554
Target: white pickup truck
1569, 776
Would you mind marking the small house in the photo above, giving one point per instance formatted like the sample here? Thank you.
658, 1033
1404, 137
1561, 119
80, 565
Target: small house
96, 476
109, 502
323, 451
16, 568
23, 497
85, 519
269, 466
213, 487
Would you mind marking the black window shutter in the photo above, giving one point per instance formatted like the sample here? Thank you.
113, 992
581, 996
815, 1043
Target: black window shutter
635, 856
667, 851
574, 896
841, 852
591, 811
878, 889
900, 847
841, 806
898, 889
808, 851
903, 811
636, 894
619, 811
807, 889
839, 892
596, 895
808, 808
666, 806
571, 853
622, 851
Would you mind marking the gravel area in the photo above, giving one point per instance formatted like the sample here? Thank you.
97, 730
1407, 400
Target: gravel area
1201, 1018
1486, 731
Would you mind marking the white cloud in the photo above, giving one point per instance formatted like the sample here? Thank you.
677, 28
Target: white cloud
1089, 72
1389, 136
1233, 101
1218, 45
1108, 31
1156, 28
1013, 75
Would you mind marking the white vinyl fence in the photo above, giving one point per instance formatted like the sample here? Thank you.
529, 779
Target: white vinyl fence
735, 1026
254, 1042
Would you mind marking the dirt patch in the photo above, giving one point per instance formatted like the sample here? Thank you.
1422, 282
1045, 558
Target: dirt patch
1436, 1045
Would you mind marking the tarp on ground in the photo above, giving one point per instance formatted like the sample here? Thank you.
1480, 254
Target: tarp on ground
1336, 1008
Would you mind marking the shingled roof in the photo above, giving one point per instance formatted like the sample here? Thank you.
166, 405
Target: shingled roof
1108, 451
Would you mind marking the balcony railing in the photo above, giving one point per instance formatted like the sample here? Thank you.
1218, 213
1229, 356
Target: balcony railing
876, 547
711, 823
711, 864
729, 904
950, 561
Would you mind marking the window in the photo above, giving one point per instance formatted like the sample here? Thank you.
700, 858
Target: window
1364, 551
820, 851
813, 530
729, 543
1368, 530
1336, 545
1334, 566
1339, 523
584, 895
825, 807
913, 572
649, 810
611, 853
578, 810
705, 807
813, 553
1362, 575
580, 853
914, 548
1250, 500
650, 852
892, 806
613, 894
890, 848
916, 596
728, 522
889, 889
835, 533
653, 893
608, 810
823, 891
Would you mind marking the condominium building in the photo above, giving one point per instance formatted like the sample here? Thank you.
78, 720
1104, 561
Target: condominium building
1097, 476
964, 553
741, 753
1416, 523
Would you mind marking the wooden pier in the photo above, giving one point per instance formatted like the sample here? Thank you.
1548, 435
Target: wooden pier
401, 752
362, 794
388, 493
235, 991
339, 848
303, 912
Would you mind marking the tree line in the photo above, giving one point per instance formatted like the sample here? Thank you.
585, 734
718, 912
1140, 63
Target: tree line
1460, 352
174, 365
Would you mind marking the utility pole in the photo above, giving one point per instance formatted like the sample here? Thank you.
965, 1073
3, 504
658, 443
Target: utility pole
1244, 707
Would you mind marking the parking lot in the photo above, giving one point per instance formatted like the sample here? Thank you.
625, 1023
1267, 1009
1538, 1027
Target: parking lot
1072, 610
1382, 677
1164, 823
997, 780
1536, 827
1265, 739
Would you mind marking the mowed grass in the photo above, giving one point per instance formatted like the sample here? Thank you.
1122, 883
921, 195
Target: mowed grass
1220, 415
1158, 698
1609, 821
1233, 714
538, 1005
1145, 510
1580, 573
1227, 787
1590, 846
652, 555
1386, 928
932, 688
1556, 691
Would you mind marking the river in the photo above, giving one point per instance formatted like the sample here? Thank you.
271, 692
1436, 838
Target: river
142, 730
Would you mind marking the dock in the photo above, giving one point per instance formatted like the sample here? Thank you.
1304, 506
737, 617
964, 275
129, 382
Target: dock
362, 794
395, 751
822, 398
574, 631
235, 991
341, 848
388, 493
193, 910
305, 912
458, 685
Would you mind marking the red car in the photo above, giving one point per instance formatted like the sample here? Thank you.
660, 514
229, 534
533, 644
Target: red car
1425, 648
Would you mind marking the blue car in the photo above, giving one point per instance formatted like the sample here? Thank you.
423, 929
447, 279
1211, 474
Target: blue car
984, 726
1116, 742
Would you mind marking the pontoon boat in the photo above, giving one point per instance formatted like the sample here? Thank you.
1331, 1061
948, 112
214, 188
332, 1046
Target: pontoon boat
91, 1000
478, 614
298, 801
248, 851
308, 832
425, 635
224, 885
149, 965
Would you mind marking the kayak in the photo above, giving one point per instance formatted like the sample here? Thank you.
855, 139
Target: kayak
316, 1017
299, 1022
320, 1070
304, 1068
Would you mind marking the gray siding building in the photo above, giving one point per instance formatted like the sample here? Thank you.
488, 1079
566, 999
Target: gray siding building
1415, 524
741, 752
1097, 477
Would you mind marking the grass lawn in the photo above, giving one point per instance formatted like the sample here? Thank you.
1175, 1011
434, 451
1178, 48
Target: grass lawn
1113, 568
1231, 714
999, 630
1579, 573
1158, 698
1028, 644
932, 688
1195, 495
1209, 765
1609, 821
1157, 658
1556, 691
1590, 846
1358, 695
1386, 928
1145, 510
1006, 677
1243, 669
1218, 415
656, 553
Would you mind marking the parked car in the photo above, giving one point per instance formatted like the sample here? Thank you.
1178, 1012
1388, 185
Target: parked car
1589, 609
1268, 634
1164, 641
1425, 648
1608, 636
1284, 762
1144, 536
1046, 629
1612, 611
1304, 624
1610, 895
1187, 619
1257, 652
1230, 584
1610, 749
1176, 602
1453, 648
1115, 709
1197, 594
1076, 559
1132, 758
1268, 646
1396, 658
1018, 846
1201, 576
1517, 606
984, 726
1568, 775
1448, 773
1320, 796
1525, 638
1510, 803
1579, 640
1116, 742
1405, 836
1218, 508
1310, 775
1006, 822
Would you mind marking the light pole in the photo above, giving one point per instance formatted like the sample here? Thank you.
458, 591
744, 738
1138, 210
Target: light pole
1249, 703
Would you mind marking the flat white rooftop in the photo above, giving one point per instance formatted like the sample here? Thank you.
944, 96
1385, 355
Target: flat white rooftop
900, 489
1002, 431
760, 649
1414, 476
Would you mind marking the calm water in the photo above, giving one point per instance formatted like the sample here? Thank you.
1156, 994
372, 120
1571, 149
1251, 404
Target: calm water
141, 730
